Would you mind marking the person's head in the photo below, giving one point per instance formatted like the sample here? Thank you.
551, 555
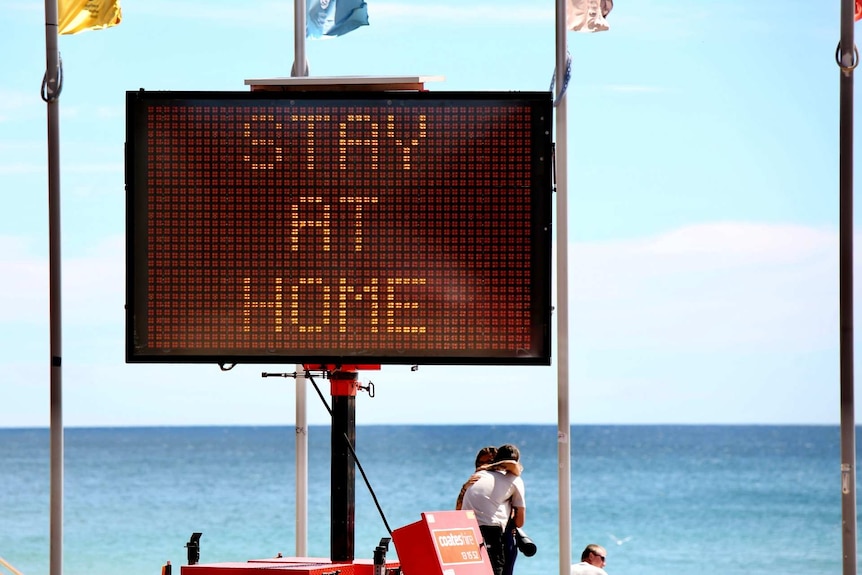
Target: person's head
507, 452
486, 455
595, 555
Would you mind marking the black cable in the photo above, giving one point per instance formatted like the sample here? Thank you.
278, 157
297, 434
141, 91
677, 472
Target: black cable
317, 389
367, 484
49, 95
353, 453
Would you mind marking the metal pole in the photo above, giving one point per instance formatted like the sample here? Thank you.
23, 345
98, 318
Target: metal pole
343, 467
301, 463
51, 94
847, 62
564, 429
301, 385
299, 70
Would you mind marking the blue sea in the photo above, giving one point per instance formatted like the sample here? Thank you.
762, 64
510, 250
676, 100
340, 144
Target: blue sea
701, 500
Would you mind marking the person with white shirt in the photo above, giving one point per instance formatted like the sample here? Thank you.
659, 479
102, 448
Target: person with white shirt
592, 561
497, 496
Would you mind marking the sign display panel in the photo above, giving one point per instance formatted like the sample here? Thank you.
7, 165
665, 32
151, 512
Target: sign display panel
335, 227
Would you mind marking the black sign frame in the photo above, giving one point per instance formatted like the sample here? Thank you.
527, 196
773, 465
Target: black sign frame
185, 156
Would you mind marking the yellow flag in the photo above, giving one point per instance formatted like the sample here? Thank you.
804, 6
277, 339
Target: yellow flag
80, 15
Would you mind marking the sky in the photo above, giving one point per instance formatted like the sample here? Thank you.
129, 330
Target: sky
702, 194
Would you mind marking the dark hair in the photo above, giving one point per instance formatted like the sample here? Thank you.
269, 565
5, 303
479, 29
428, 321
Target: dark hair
484, 453
507, 451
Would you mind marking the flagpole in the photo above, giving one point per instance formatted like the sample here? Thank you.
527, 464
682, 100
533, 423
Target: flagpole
564, 448
51, 94
300, 69
299, 41
847, 60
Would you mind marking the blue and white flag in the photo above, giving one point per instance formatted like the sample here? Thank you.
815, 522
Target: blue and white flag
334, 17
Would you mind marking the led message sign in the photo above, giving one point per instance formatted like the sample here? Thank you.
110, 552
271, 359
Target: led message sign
333, 227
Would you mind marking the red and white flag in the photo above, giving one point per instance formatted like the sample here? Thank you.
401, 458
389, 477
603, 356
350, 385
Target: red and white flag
589, 15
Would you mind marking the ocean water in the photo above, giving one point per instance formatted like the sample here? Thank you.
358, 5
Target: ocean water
702, 500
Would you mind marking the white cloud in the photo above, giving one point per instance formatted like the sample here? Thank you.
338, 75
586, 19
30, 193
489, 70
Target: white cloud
748, 242
95, 284
24, 289
23, 168
92, 285
101, 168
15, 104
726, 284
32, 146
88, 113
